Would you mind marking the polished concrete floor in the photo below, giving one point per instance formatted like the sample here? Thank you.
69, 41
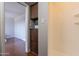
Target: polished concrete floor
15, 47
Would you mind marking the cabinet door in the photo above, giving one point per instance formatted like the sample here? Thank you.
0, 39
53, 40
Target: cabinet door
34, 11
34, 40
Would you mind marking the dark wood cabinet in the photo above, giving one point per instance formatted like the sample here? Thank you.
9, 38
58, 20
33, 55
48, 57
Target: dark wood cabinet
34, 11
34, 40
33, 30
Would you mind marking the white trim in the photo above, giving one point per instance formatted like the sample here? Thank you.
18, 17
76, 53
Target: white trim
27, 27
2, 28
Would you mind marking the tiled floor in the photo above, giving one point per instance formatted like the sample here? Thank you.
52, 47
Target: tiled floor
15, 47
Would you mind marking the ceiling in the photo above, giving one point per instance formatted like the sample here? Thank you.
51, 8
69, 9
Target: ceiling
13, 9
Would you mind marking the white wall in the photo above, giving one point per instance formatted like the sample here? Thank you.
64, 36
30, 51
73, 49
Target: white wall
9, 27
20, 27
63, 36
43, 28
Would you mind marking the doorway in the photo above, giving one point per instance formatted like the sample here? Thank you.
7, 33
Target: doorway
21, 28
15, 34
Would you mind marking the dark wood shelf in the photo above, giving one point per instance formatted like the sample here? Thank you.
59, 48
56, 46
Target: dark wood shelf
34, 18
